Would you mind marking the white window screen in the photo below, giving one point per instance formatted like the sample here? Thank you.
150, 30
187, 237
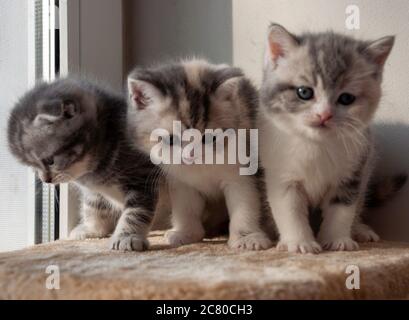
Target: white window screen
28, 42
46, 62
16, 182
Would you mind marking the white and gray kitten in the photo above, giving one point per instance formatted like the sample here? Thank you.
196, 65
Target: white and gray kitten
318, 97
201, 96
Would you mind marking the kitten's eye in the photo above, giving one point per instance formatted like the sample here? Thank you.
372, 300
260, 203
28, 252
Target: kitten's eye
69, 109
208, 138
48, 161
305, 93
346, 99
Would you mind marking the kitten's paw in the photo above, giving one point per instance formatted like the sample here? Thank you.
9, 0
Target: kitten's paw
299, 246
340, 244
363, 233
177, 238
81, 232
252, 241
129, 243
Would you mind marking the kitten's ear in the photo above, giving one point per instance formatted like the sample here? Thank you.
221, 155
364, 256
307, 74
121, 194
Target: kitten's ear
52, 111
379, 50
225, 90
279, 43
224, 81
142, 93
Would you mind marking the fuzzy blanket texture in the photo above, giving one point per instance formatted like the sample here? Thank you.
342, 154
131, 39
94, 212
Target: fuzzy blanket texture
207, 270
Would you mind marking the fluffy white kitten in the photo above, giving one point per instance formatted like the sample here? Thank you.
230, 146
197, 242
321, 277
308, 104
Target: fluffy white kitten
318, 97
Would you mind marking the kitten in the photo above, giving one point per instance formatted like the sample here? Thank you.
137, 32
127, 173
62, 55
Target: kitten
201, 96
318, 97
74, 131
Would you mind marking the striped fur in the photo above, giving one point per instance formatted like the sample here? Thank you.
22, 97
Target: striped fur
317, 152
201, 96
74, 131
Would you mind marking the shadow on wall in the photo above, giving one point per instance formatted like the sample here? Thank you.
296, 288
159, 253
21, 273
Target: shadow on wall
391, 221
157, 30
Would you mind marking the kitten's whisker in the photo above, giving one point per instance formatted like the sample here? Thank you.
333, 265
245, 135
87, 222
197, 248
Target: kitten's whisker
341, 136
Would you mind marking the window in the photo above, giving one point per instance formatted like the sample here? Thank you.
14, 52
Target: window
39, 40
28, 39
46, 61
16, 182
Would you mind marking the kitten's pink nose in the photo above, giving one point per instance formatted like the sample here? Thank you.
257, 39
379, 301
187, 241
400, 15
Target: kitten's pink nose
325, 116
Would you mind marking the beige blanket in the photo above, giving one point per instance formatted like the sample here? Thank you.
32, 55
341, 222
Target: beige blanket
209, 270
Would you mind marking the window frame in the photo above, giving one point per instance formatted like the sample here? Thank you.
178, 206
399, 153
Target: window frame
81, 39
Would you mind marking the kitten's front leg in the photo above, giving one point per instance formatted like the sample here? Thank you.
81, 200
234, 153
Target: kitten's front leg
335, 230
289, 205
187, 210
341, 214
361, 232
133, 226
243, 204
341, 224
98, 218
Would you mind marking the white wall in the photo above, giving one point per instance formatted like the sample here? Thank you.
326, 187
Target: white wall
378, 18
158, 30
14, 205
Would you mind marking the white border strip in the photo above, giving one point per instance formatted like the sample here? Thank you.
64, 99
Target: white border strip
31, 210
69, 63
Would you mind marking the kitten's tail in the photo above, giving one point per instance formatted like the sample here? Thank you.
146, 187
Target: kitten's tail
385, 189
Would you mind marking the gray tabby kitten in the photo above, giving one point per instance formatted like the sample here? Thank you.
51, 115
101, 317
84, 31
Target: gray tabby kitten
319, 95
74, 131
202, 96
